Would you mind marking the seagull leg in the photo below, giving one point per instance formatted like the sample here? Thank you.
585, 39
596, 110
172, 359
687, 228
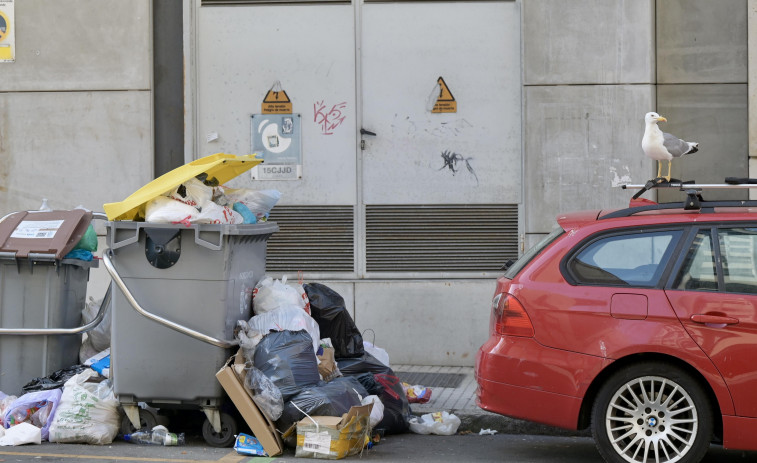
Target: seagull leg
668, 176
659, 169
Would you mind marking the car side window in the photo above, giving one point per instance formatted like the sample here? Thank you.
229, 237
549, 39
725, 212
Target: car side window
636, 259
699, 272
738, 250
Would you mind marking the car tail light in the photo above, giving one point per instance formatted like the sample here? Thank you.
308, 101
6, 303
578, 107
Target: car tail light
509, 317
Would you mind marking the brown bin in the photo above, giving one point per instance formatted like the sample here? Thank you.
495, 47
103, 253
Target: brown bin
40, 293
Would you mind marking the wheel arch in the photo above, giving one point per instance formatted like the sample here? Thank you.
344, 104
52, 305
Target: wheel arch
584, 416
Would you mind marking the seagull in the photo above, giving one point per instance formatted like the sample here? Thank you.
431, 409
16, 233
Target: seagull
662, 146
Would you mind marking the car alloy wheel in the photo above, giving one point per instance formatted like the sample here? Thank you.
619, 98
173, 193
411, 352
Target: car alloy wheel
652, 413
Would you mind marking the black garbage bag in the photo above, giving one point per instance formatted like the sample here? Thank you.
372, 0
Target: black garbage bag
334, 321
396, 407
365, 363
369, 382
288, 359
326, 399
53, 381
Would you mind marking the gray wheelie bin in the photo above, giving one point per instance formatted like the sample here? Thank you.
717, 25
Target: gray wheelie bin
177, 294
42, 295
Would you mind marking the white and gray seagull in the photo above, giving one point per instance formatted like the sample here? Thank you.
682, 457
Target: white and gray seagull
662, 146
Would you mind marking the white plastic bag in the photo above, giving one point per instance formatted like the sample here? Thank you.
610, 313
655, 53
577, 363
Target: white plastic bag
214, 213
192, 192
377, 412
380, 354
5, 401
270, 294
259, 203
98, 338
24, 433
441, 423
87, 412
290, 318
162, 209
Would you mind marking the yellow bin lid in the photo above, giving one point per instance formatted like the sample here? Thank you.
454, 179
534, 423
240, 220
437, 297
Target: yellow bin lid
221, 166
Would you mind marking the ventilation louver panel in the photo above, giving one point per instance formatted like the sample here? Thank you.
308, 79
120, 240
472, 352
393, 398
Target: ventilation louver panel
440, 238
312, 239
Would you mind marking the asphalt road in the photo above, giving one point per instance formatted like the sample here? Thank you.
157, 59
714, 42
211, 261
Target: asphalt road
405, 447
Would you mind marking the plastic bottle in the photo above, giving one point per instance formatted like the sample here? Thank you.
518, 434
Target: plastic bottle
158, 436
44, 207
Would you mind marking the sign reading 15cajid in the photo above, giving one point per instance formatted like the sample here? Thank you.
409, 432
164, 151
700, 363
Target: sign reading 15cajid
277, 139
7, 32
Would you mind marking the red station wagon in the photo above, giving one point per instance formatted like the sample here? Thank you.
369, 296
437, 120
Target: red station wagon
640, 323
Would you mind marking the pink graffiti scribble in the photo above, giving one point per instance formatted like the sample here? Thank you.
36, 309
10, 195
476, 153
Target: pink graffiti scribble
331, 119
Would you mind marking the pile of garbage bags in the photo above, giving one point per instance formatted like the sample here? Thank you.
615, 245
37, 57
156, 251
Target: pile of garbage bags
304, 356
83, 409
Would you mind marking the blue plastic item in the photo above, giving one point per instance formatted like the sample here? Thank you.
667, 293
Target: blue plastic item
248, 445
249, 217
81, 254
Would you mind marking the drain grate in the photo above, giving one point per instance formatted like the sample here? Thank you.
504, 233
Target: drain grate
431, 379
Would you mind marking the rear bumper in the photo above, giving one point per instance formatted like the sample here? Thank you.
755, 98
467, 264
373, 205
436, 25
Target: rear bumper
528, 404
520, 378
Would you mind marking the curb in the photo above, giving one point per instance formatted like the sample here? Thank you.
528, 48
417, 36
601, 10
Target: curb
475, 422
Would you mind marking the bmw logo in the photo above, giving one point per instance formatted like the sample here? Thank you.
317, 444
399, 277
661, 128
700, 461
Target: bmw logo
652, 421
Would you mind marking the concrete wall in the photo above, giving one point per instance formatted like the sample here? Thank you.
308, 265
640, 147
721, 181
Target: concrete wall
592, 69
421, 329
75, 106
702, 88
588, 75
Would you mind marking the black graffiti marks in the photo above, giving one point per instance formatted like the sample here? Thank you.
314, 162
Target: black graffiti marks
451, 161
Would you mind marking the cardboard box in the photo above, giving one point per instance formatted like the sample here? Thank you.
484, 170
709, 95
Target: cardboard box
327, 365
334, 437
231, 377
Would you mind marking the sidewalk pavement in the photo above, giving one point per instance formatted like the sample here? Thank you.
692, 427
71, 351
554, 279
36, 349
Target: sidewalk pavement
460, 399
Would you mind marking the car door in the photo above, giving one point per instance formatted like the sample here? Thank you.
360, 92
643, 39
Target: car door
615, 301
714, 295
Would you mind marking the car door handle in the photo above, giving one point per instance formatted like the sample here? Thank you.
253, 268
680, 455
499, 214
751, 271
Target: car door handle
714, 319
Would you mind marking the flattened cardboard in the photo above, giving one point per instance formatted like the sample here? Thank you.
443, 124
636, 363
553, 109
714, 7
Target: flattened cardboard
231, 377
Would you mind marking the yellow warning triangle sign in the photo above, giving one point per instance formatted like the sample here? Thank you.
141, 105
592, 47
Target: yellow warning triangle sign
276, 102
445, 103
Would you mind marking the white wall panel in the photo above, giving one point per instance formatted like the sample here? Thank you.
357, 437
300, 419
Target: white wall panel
73, 148
80, 45
426, 322
589, 41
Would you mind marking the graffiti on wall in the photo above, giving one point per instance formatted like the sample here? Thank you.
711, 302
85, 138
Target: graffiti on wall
452, 160
328, 118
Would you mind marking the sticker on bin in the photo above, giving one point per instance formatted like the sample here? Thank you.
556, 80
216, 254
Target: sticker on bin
37, 229
317, 442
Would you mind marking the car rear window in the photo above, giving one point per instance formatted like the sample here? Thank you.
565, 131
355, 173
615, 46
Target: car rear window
634, 259
514, 269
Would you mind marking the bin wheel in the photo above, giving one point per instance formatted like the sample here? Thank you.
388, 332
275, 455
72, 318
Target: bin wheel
147, 420
228, 433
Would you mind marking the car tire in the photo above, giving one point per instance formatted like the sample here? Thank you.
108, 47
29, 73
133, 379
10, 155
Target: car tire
652, 412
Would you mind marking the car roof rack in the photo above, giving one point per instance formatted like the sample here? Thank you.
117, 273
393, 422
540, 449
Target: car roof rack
694, 200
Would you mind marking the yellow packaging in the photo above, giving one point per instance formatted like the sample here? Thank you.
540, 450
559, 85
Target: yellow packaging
334, 437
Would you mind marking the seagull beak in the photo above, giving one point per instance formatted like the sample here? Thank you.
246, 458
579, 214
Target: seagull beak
661, 119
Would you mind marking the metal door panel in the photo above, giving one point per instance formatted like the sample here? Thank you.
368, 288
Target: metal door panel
475, 48
310, 50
